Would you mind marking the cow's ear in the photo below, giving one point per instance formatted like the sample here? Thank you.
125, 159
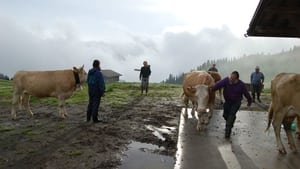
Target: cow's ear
75, 69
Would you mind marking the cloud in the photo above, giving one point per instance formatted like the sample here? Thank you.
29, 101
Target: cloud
62, 47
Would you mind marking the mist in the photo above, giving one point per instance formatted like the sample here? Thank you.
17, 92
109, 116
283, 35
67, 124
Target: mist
37, 48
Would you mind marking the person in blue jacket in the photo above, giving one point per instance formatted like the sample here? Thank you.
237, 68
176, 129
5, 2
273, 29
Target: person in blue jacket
96, 89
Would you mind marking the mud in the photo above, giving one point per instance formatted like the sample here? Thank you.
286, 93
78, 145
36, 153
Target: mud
47, 141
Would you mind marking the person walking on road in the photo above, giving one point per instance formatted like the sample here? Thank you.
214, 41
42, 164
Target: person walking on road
257, 79
233, 91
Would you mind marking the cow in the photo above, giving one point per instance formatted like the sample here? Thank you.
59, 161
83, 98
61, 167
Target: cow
57, 83
217, 77
197, 89
284, 107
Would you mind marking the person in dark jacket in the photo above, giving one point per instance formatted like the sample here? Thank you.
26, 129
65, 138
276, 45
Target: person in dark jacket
213, 68
233, 91
96, 89
144, 77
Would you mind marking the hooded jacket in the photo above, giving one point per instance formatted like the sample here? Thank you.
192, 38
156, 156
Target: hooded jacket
95, 81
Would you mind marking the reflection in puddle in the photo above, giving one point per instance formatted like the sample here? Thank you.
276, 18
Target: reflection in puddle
142, 155
158, 132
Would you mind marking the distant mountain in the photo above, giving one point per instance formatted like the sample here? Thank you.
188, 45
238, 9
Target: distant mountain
270, 65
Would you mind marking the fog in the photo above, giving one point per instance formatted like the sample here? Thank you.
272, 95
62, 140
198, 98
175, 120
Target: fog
37, 48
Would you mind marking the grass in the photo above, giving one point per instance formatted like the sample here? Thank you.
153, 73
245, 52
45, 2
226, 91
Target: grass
6, 128
117, 94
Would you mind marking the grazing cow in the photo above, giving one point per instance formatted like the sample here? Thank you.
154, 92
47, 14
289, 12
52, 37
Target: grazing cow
59, 83
285, 106
217, 78
197, 88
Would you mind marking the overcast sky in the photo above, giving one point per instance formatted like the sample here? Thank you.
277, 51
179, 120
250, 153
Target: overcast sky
172, 35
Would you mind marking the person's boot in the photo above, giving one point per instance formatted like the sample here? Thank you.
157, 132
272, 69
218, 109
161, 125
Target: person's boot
227, 133
258, 97
229, 124
253, 98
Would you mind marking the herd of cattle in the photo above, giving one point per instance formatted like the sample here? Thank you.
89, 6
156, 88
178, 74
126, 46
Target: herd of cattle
284, 108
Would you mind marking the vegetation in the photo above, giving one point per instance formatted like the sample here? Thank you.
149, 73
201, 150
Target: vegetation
117, 94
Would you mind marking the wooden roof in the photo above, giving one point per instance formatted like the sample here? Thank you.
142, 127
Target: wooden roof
276, 18
110, 73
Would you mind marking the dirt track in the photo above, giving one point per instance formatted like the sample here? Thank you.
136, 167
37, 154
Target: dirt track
46, 141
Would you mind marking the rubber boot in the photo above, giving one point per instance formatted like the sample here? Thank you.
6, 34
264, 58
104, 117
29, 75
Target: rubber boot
229, 124
258, 97
253, 97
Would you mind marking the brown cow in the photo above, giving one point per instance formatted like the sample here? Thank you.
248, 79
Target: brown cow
59, 83
196, 88
285, 106
217, 78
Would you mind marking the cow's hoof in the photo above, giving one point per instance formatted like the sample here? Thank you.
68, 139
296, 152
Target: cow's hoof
293, 149
282, 151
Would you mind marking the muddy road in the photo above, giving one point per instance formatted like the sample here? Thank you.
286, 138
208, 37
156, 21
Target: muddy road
47, 141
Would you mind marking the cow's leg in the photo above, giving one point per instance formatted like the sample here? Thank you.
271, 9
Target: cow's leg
199, 123
61, 107
25, 99
220, 94
298, 126
287, 127
186, 103
195, 105
15, 101
277, 121
211, 109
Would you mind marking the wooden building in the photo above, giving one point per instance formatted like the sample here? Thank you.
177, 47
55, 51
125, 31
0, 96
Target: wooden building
110, 75
276, 18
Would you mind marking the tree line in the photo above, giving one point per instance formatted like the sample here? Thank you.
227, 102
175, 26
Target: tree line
270, 65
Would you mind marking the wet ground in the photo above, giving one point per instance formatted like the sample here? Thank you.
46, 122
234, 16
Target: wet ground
142, 135
47, 141
249, 146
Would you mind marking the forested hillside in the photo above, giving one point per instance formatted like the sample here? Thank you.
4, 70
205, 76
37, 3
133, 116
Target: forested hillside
270, 65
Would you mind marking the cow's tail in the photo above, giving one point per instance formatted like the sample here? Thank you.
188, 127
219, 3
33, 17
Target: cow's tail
270, 116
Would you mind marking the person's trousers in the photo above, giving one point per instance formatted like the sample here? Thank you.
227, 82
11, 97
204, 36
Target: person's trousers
256, 89
93, 106
229, 114
145, 83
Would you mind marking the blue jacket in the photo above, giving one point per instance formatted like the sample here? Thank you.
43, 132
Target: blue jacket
95, 81
257, 78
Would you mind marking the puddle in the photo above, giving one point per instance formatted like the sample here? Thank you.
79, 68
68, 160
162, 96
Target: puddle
142, 155
158, 132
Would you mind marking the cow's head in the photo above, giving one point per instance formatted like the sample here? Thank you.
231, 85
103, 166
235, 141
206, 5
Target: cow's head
81, 72
202, 97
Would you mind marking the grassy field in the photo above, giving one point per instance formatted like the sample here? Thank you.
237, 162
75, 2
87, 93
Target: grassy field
117, 94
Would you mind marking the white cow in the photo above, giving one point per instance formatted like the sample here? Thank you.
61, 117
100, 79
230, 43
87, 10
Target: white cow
196, 88
58, 83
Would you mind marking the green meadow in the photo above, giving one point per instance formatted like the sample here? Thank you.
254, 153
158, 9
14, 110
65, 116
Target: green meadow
117, 94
